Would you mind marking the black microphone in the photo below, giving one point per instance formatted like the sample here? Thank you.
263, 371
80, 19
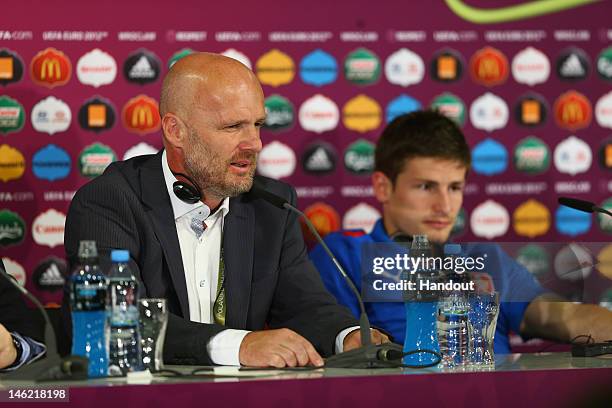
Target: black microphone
368, 355
582, 205
52, 367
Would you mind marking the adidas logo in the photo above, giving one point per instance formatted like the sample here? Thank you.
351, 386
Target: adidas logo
572, 67
52, 277
142, 69
319, 160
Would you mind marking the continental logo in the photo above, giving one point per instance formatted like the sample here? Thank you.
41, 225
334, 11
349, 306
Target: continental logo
275, 68
141, 115
50, 68
489, 67
531, 219
573, 111
362, 114
12, 163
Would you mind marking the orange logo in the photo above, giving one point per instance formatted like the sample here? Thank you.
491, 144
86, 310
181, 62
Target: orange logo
573, 111
50, 68
141, 115
489, 67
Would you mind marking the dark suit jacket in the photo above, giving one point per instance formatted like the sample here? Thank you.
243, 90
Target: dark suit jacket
270, 282
15, 316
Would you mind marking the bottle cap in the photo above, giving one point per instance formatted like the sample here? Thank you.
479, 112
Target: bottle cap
120, 255
88, 250
420, 242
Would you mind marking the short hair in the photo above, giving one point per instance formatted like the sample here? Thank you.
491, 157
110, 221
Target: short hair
426, 133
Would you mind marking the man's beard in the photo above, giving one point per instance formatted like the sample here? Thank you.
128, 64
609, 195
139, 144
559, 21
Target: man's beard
211, 171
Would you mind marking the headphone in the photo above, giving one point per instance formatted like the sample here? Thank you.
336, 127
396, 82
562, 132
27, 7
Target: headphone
189, 193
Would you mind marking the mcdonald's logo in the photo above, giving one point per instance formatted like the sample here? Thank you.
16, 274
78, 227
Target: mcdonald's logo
141, 115
50, 68
489, 67
573, 111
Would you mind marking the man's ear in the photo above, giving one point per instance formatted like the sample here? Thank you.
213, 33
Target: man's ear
174, 130
382, 186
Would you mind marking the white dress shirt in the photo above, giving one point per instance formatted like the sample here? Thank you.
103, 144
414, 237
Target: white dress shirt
201, 264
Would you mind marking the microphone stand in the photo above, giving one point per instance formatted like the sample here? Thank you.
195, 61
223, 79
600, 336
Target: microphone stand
369, 355
388, 355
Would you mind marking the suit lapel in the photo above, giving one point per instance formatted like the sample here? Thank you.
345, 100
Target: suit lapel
155, 196
238, 242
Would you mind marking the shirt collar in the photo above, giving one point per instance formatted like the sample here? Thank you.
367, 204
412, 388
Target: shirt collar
179, 207
378, 233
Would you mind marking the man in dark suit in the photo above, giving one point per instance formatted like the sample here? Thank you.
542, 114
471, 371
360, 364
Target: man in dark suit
19, 326
229, 264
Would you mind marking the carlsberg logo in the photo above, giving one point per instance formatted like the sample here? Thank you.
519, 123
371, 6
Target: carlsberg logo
359, 162
12, 228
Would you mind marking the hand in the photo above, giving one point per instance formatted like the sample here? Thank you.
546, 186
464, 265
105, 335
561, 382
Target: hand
277, 348
8, 354
353, 339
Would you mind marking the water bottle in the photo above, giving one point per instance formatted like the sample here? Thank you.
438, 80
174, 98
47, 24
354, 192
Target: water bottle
453, 316
421, 310
123, 315
88, 308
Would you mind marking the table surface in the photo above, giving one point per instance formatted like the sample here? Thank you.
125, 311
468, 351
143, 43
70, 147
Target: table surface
517, 380
503, 363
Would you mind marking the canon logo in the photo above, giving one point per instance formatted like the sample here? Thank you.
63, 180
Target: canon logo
49, 229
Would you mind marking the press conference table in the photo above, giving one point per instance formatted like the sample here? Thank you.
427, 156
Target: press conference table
546, 379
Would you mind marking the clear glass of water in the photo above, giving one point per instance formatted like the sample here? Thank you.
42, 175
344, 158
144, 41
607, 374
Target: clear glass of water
482, 320
452, 329
153, 323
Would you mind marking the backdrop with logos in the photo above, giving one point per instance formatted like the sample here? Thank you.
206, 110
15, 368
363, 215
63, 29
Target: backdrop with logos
79, 89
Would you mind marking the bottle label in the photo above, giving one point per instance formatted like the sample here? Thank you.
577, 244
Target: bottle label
87, 297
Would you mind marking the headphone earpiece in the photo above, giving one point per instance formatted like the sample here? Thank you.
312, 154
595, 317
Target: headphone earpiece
186, 192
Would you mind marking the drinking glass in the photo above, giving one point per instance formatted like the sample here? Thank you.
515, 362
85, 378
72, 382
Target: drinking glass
153, 323
482, 320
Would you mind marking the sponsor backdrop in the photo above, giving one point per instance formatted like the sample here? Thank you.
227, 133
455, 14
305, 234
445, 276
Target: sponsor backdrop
79, 89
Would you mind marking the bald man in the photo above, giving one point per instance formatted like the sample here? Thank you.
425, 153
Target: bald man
229, 264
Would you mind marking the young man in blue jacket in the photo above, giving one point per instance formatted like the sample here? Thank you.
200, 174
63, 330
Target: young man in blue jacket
422, 160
